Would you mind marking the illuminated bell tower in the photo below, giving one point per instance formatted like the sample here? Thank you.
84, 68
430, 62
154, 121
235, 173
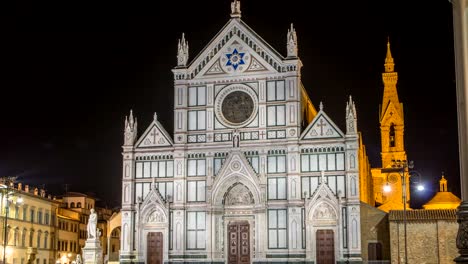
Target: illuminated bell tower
392, 126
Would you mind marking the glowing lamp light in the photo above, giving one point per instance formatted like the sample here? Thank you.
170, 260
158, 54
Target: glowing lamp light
387, 188
9, 251
19, 200
420, 187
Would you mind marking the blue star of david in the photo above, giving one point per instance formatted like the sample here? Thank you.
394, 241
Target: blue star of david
235, 59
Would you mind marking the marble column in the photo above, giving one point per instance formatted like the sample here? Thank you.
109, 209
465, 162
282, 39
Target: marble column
460, 28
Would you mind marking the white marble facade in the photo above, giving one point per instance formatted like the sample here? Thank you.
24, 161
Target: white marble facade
241, 153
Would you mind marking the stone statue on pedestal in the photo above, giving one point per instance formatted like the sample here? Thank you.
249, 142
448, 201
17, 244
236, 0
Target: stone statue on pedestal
92, 224
92, 251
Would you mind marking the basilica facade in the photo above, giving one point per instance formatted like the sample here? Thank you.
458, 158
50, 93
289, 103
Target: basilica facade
253, 173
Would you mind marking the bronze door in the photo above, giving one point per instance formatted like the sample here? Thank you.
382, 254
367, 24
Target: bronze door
155, 248
239, 243
325, 247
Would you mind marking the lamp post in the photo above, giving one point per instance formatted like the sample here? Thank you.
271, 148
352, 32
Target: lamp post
403, 168
5, 183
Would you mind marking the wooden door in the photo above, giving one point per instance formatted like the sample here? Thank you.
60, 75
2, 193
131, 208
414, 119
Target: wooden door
154, 248
325, 247
239, 243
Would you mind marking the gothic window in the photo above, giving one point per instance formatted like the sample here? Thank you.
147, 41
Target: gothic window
277, 228
197, 120
78, 205
276, 115
196, 167
197, 96
253, 160
392, 135
196, 191
153, 169
275, 91
277, 188
335, 182
171, 231
309, 184
344, 216
218, 163
72, 205
165, 189
196, 230
322, 162
277, 164
142, 189
303, 225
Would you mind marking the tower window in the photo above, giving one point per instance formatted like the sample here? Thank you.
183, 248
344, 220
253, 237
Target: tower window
392, 136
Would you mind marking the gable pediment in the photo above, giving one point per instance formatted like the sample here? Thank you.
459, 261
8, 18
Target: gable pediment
235, 58
253, 54
391, 114
236, 170
154, 136
153, 208
321, 127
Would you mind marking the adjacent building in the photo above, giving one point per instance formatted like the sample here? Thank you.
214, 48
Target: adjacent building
29, 220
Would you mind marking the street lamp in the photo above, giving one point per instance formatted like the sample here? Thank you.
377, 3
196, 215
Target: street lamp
403, 168
7, 192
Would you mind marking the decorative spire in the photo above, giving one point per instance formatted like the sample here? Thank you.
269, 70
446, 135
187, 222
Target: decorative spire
130, 129
235, 9
292, 42
182, 52
443, 184
389, 64
351, 117
321, 106
155, 117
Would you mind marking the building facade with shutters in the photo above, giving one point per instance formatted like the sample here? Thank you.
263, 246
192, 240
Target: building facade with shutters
253, 172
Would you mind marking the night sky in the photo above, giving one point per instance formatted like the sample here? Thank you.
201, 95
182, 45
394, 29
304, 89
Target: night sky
72, 70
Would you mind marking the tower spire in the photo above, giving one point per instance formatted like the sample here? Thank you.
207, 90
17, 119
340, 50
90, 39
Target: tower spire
182, 52
389, 64
130, 130
292, 42
235, 9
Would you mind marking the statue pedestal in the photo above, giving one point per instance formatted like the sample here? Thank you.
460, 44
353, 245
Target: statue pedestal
92, 252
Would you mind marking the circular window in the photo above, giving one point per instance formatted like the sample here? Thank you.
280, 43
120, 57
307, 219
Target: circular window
393, 178
236, 105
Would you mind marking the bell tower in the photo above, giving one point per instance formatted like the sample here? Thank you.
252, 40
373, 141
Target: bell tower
392, 126
392, 123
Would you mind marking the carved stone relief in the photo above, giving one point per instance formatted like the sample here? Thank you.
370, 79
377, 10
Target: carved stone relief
239, 195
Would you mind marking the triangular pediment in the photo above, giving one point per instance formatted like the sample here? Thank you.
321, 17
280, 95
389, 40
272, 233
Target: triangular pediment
321, 127
154, 136
236, 163
153, 208
236, 169
322, 204
391, 114
236, 49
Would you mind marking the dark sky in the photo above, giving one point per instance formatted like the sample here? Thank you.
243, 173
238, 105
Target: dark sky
72, 70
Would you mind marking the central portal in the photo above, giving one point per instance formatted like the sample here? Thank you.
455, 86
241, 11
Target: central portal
239, 243
325, 247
